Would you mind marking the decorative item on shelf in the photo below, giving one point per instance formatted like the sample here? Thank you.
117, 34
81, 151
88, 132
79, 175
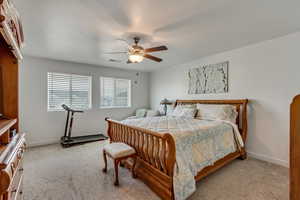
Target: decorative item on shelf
13, 133
165, 102
3, 116
11, 27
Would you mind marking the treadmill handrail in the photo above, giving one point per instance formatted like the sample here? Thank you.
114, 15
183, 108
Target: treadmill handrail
67, 108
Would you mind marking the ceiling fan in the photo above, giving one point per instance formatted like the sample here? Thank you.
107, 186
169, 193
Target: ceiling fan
137, 53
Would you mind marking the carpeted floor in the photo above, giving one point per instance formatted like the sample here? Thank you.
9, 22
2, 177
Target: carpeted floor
54, 173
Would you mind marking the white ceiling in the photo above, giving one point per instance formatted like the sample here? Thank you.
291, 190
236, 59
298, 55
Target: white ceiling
83, 30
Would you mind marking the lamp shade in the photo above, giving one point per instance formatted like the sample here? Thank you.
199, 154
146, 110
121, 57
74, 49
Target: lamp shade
165, 102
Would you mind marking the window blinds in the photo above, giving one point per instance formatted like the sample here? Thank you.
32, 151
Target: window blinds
70, 89
115, 92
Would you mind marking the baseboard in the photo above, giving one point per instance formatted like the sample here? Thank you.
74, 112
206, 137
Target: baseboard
276, 161
42, 143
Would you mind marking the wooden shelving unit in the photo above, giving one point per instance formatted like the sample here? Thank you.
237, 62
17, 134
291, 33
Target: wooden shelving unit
12, 143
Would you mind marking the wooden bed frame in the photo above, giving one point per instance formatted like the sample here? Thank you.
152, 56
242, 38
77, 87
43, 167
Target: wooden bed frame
156, 151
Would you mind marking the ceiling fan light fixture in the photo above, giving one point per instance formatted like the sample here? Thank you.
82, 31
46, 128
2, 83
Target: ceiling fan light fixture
137, 53
136, 58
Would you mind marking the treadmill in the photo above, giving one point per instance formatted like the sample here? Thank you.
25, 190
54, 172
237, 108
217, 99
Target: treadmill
67, 140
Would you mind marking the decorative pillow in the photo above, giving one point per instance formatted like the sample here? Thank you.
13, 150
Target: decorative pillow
140, 113
180, 111
152, 113
176, 111
217, 112
188, 112
169, 111
180, 107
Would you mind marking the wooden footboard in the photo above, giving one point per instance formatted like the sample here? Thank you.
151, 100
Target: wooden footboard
156, 155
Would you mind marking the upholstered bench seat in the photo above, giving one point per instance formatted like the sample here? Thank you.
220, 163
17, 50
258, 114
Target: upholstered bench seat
118, 150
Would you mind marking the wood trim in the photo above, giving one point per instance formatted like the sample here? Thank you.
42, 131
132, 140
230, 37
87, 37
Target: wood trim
11, 163
156, 151
5, 124
217, 165
217, 101
295, 149
7, 155
157, 181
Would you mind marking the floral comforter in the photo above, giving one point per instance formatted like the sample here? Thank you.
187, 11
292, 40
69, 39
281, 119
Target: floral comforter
199, 143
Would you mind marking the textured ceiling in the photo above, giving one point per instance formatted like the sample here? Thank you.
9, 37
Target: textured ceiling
83, 30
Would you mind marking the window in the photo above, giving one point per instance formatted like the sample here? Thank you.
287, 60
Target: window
115, 92
70, 89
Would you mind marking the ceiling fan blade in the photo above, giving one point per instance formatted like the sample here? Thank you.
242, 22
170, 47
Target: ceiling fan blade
116, 52
153, 49
152, 58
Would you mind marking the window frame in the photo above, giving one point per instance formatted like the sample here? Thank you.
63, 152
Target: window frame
115, 79
90, 78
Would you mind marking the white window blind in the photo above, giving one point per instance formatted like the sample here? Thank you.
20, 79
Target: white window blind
70, 89
115, 92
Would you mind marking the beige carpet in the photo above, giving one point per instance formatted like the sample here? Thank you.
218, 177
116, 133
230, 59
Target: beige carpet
54, 173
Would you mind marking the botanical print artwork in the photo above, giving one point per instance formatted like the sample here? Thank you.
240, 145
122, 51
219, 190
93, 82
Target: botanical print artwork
211, 78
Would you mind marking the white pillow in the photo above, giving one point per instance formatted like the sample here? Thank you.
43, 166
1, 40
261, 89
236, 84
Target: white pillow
217, 112
181, 111
140, 113
186, 106
152, 113
181, 106
169, 111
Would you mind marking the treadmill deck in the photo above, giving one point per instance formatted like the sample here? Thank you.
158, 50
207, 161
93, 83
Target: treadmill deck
65, 142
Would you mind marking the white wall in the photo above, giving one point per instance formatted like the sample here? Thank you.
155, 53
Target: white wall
44, 127
267, 73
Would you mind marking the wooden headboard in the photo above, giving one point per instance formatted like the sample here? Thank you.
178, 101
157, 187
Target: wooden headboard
241, 107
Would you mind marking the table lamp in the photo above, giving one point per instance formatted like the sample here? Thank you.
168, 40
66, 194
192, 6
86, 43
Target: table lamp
165, 102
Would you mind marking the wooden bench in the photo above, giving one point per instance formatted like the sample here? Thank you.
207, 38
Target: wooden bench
118, 151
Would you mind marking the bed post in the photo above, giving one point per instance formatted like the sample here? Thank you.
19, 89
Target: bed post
244, 129
294, 148
108, 129
171, 157
244, 120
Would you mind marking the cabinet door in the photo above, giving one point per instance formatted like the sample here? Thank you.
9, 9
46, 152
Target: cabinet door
295, 149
